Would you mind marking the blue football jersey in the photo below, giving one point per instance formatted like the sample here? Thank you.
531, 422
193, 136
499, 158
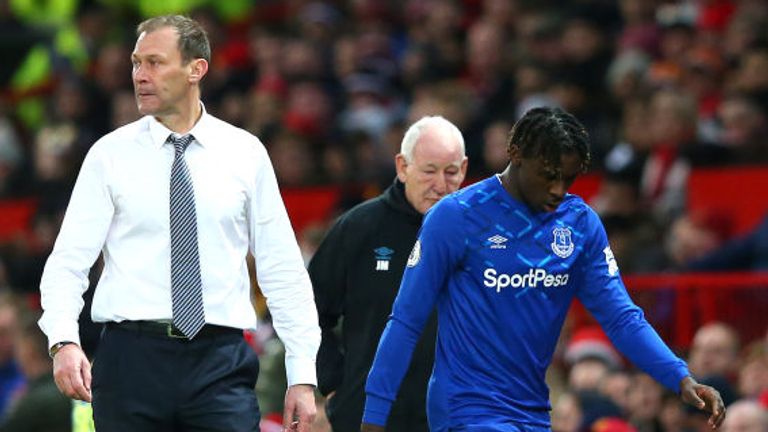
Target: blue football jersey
503, 278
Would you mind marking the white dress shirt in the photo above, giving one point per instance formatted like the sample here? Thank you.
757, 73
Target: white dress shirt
120, 206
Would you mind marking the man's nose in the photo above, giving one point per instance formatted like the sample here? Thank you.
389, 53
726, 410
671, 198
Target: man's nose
558, 189
138, 74
441, 184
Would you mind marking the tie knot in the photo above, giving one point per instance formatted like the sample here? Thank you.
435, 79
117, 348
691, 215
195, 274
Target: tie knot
181, 143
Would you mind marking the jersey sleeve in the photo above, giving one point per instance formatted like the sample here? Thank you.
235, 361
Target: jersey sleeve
603, 293
436, 253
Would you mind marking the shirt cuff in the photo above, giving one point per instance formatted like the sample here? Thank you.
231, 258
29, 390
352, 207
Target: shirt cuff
300, 371
60, 332
376, 410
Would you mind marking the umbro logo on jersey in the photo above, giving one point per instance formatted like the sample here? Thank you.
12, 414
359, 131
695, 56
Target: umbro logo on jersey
383, 256
497, 242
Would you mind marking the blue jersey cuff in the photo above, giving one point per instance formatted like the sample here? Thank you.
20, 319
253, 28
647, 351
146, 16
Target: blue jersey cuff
376, 410
677, 378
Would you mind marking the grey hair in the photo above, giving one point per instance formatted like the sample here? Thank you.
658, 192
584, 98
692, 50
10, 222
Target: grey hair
193, 39
414, 132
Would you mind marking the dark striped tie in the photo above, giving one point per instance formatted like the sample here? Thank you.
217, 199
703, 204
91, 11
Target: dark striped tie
186, 284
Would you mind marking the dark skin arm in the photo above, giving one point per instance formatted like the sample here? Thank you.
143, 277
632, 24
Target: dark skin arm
705, 398
367, 427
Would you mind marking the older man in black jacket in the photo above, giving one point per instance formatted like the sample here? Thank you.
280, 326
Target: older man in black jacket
356, 274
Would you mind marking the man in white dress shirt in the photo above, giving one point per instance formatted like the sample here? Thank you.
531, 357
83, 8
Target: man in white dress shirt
175, 201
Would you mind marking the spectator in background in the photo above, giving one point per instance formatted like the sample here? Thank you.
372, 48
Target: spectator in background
633, 234
672, 125
532, 83
487, 79
592, 359
746, 416
566, 413
123, 109
11, 377
495, 147
487, 69
308, 111
674, 151
744, 127
645, 401
13, 180
627, 156
616, 386
715, 351
753, 373
292, 157
108, 82
579, 85
26, 256
434, 44
640, 31
702, 76
673, 413
266, 107
714, 360
597, 409
749, 76
626, 76
747, 252
744, 30
357, 269
677, 37
692, 235
538, 37
372, 107
583, 411
39, 406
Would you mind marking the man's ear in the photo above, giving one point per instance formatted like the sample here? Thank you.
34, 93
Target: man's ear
400, 167
463, 168
198, 69
514, 154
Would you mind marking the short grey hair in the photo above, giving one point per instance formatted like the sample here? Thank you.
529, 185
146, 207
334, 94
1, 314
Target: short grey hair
193, 39
414, 132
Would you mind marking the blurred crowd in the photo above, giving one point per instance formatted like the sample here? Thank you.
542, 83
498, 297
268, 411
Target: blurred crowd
664, 87
595, 391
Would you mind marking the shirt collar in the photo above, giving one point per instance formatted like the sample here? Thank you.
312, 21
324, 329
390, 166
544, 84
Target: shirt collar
202, 130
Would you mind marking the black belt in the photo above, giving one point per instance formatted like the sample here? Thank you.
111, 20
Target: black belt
167, 329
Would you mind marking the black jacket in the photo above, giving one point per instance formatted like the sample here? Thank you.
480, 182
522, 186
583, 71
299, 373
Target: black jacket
356, 274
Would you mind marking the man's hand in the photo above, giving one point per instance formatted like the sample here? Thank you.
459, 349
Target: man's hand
704, 398
300, 409
72, 372
367, 427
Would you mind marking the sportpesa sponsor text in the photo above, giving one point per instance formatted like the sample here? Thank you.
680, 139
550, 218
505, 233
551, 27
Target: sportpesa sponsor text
533, 279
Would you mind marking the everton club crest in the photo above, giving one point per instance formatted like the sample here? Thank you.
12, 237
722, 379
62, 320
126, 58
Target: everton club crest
562, 244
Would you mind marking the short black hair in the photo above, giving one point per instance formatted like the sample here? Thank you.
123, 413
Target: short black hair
548, 133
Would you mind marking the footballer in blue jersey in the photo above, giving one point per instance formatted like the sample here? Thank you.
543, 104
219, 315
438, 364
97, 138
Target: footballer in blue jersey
502, 260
